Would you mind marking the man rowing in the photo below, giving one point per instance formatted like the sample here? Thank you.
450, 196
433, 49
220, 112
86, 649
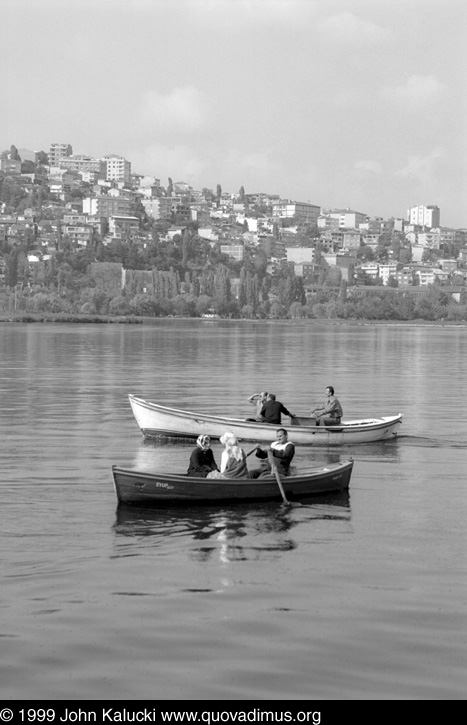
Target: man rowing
282, 451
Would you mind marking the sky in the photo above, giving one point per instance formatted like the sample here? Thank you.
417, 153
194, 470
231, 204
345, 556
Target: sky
357, 104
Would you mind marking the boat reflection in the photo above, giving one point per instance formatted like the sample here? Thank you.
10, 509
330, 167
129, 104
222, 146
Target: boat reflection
237, 532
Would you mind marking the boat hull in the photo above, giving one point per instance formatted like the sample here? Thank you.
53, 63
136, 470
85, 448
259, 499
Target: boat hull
145, 488
157, 420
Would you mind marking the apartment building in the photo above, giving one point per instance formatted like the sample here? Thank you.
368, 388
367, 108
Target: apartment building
348, 219
303, 212
117, 168
425, 274
352, 239
58, 151
405, 276
424, 216
235, 251
119, 226
106, 206
386, 271
83, 164
161, 207
306, 271
12, 167
448, 265
429, 239
79, 234
371, 269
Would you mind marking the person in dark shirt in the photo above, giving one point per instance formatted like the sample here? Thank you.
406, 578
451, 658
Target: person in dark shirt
272, 410
202, 458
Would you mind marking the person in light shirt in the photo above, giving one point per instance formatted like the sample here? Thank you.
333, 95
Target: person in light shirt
282, 451
331, 412
233, 459
258, 400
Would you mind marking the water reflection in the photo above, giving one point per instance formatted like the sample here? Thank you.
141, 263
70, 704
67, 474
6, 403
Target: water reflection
239, 532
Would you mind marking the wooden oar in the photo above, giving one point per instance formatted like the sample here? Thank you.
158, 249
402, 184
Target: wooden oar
253, 450
278, 478
274, 469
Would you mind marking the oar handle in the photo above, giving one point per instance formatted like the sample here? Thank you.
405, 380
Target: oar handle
253, 450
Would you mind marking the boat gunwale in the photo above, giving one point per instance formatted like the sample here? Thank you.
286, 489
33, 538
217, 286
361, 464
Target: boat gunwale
303, 476
365, 424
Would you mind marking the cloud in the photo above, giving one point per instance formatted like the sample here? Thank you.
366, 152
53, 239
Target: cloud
178, 161
249, 14
182, 110
416, 91
207, 166
346, 28
422, 168
368, 167
252, 169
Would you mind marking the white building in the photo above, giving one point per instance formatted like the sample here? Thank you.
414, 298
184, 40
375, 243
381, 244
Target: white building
120, 225
429, 239
300, 255
371, 269
117, 168
424, 216
386, 271
303, 212
236, 251
348, 219
425, 275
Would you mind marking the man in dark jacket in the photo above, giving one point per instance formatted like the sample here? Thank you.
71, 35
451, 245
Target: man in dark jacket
272, 409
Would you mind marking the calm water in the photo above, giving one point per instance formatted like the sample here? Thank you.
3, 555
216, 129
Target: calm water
361, 596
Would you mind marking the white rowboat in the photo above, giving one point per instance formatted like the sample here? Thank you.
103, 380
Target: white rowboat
158, 420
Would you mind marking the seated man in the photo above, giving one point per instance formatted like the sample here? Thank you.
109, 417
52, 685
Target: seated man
272, 409
282, 451
331, 412
258, 400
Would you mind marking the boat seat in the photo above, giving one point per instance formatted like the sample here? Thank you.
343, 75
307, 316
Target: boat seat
306, 421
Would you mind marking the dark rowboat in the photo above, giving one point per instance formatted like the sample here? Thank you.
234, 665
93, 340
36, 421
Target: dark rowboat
141, 487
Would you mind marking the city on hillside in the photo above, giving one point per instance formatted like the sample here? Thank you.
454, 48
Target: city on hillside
88, 235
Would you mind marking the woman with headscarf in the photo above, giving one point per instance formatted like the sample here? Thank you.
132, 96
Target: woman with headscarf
202, 458
233, 459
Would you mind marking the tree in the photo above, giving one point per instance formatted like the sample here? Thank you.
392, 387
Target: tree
11, 270
343, 290
42, 158
208, 194
277, 311
100, 300
144, 305
119, 306
218, 192
203, 304
296, 310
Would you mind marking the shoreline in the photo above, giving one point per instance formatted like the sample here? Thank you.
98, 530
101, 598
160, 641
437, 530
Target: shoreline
57, 317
